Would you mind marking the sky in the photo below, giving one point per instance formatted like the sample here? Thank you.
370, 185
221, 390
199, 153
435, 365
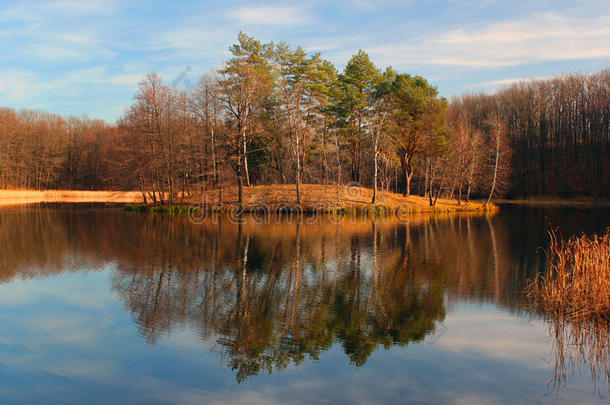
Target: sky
86, 57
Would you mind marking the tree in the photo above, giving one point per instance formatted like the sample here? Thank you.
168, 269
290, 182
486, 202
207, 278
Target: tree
464, 147
300, 92
352, 105
245, 84
207, 111
381, 104
501, 153
153, 121
415, 113
435, 147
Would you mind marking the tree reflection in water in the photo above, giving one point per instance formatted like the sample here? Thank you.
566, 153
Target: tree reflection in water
273, 298
267, 296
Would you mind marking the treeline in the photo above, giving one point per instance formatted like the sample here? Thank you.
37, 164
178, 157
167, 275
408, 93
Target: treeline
46, 151
274, 114
558, 129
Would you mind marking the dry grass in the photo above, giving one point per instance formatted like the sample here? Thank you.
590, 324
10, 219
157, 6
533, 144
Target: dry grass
20, 197
577, 283
314, 196
574, 298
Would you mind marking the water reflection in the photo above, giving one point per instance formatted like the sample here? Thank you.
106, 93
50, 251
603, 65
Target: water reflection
268, 296
272, 297
578, 345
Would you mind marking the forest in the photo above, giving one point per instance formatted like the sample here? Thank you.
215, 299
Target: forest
274, 114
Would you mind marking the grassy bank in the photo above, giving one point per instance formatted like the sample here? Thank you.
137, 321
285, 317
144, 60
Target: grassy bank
314, 198
577, 283
345, 199
19, 197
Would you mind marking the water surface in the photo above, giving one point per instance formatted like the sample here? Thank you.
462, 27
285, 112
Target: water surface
101, 306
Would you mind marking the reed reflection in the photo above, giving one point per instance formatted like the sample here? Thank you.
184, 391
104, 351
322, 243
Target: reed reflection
578, 345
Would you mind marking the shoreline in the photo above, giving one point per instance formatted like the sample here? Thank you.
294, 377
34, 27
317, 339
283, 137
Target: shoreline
555, 202
266, 198
25, 197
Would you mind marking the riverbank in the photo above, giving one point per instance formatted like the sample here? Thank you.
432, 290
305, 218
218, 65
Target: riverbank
314, 198
321, 198
20, 197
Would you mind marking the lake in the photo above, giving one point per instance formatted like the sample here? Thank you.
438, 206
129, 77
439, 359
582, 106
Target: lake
102, 306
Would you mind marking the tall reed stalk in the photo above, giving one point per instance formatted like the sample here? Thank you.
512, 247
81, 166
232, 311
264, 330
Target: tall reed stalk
577, 283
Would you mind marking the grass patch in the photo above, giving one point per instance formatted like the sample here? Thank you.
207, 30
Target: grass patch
332, 199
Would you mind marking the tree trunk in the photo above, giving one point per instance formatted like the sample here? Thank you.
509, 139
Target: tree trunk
407, 174
214, 163
375, 175
440, 187
245, 156
472, 165
493, 184
240, 189
298, 173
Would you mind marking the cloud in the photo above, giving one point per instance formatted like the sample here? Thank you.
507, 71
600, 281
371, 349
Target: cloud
511, 80
52, 40
189, 37
18, 85
270, 15
495, 335
368, 5
126, 79
36, 11
54, 52
541, 38
79, 8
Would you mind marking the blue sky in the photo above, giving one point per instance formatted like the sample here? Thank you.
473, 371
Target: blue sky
86, 57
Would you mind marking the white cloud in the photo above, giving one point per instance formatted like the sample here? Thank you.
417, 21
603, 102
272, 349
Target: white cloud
54, 52
78, 8
25, 85
189, 37
495, 335
511, 80
540, 38
320, 47
126, 79
270, 15
57, 42
369, 5
17, 84
36, 11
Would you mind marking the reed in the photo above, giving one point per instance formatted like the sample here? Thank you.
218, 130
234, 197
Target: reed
577, 283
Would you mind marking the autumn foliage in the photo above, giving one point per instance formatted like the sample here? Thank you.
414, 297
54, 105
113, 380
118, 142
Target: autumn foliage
273, 114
